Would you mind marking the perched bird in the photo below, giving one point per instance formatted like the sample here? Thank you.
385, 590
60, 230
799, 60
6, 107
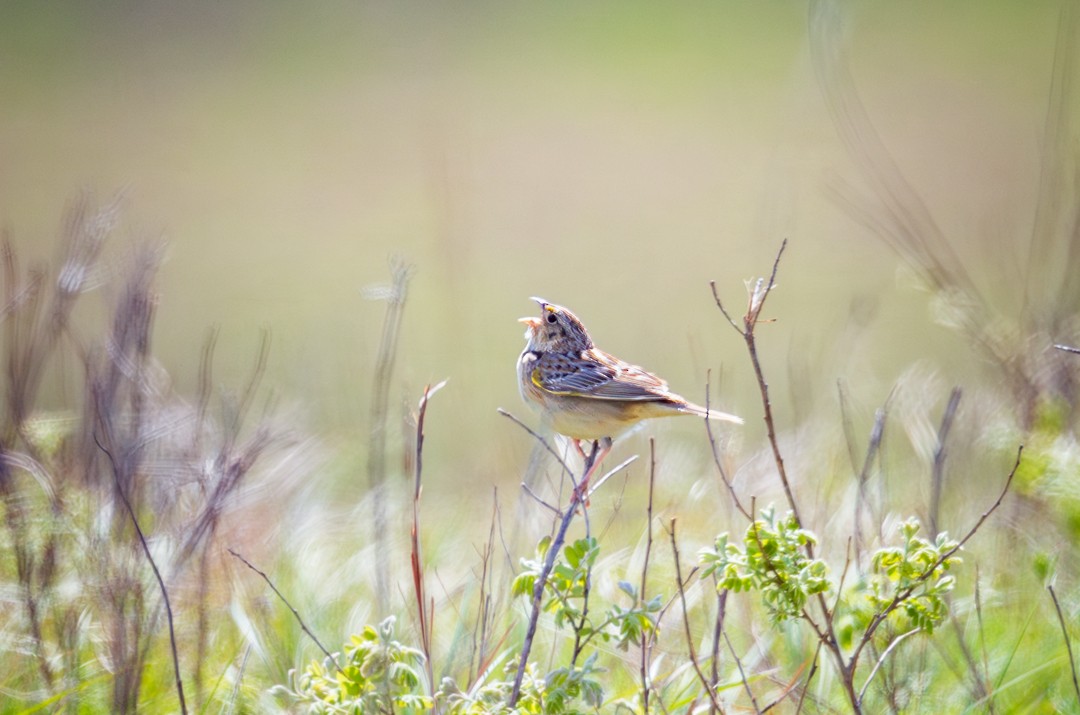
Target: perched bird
585, 393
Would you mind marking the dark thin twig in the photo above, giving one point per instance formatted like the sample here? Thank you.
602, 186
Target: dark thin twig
541, 440
1068, 643
540, 501
757, 302
577, 499
979, 691
742, 673
303, 626
878, 619
720, 305
612, 472
993, 507
484, 602
813, 671
716, 452
415, 557
896, 641
646, 638
579, 642
153, 565
938, 473
789, 688
686, 624
758, 296
718, 630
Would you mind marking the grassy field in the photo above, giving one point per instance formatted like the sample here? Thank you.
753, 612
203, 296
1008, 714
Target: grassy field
213, 375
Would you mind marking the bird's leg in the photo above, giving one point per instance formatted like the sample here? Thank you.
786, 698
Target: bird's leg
577, 446
600, 449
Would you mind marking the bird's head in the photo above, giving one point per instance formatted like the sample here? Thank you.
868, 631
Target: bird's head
557, 329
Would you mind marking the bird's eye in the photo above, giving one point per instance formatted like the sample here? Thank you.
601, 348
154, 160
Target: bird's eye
551, 318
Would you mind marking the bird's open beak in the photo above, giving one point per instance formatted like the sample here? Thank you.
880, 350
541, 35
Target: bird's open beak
531, 322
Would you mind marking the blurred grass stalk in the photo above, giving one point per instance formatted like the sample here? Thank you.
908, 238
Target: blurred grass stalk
394, 294
1044, 289
132, 454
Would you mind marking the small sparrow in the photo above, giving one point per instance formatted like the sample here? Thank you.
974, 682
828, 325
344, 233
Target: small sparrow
587, 394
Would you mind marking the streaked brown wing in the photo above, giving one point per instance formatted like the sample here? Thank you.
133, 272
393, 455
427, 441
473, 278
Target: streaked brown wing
569, 374
597, 375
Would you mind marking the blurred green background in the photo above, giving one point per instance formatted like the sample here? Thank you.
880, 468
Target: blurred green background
612, 157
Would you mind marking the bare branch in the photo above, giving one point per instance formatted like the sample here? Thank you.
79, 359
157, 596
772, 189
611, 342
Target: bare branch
900, 596
577, 499
1068, 643
742, 674
612, 472
757, 302
716, 454
646, 639
900, 638
540, 501
153, 565
415, 557
720, 305
303, 626
686, 623
541, 440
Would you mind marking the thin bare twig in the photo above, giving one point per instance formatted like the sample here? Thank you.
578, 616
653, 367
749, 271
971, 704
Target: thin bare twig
1068, 643
153, 565
716, 451
718, 630
1068, 348
296, 614
686, 624
979, 691
612, 472
541, 440
720, 305
900, 596
742, 673
540, 501
577, 499
415, 557
646, 638
483, 610
881, 660
993, 507
813, 671
757, 302
758, 295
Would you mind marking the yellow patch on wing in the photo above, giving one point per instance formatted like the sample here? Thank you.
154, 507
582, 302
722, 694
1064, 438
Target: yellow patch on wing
537, 381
